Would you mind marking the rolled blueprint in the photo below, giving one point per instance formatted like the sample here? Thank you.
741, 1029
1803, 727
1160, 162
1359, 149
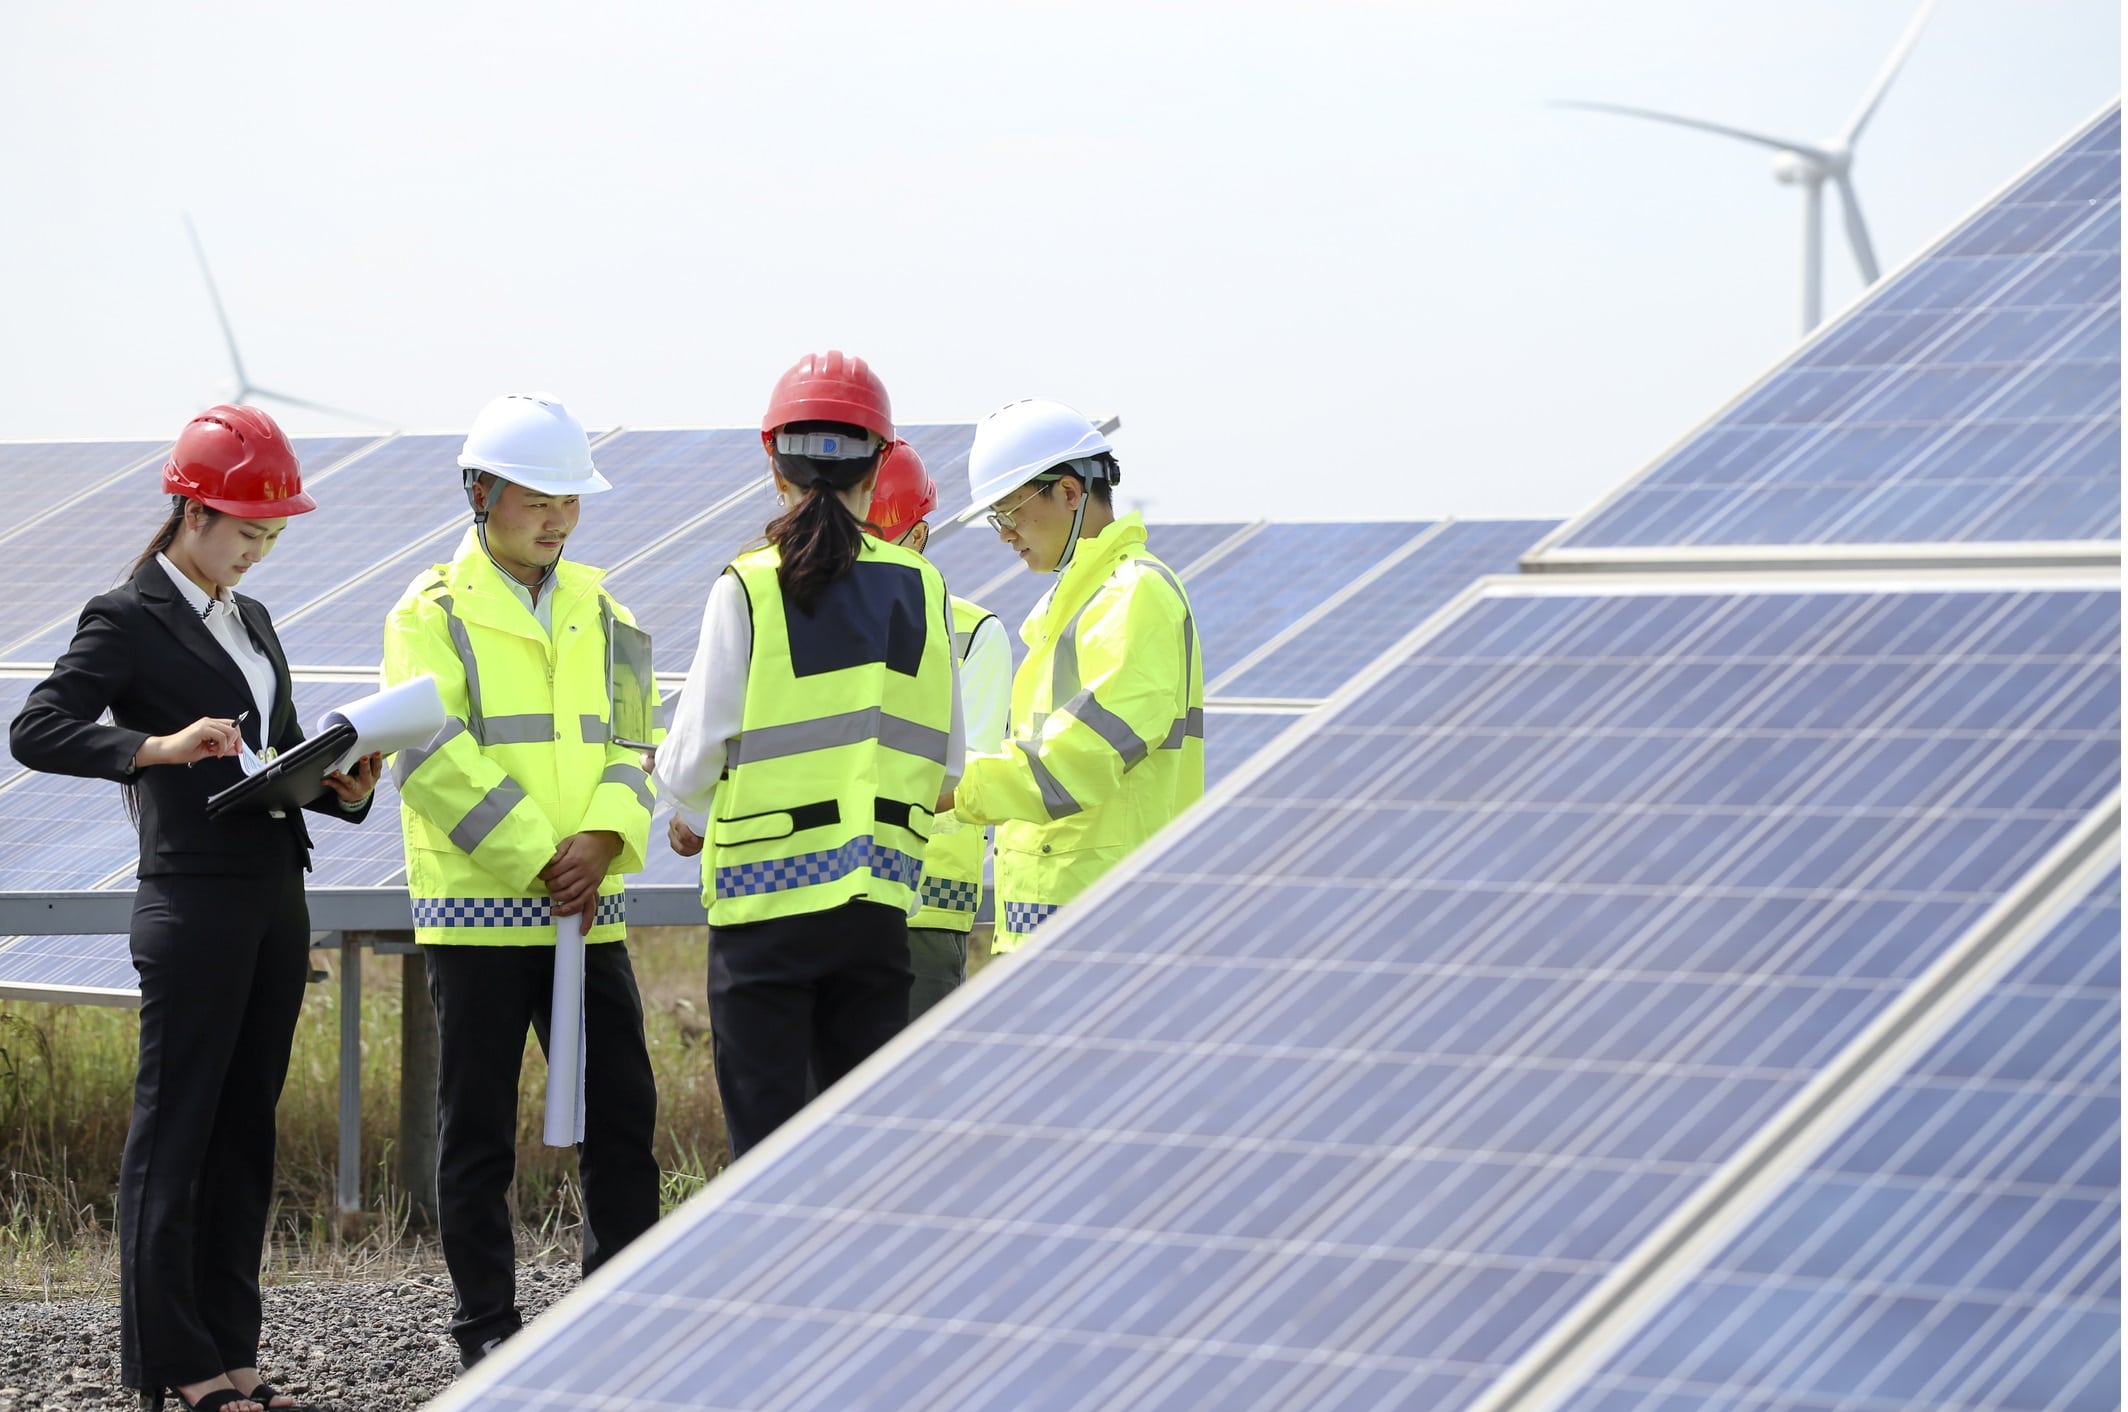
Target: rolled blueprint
565, 1036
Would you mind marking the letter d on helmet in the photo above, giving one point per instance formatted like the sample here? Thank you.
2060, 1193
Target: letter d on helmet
1020, 441
533, 441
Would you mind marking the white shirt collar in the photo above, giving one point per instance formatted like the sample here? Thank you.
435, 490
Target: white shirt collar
207, 609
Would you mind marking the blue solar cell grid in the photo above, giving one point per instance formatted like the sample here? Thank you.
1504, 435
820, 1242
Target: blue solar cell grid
1317, 662
1232, 737
13, 692
82, 966
1278, 574
1385, 1061
90, 543
42, 475
1975, 397
1958, 1246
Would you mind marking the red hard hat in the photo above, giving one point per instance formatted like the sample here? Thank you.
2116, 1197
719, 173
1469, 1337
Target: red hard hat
830, 387
237, 461
905, 492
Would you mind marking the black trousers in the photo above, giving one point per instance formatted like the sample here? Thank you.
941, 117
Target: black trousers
222, 962
824, 989
485, 998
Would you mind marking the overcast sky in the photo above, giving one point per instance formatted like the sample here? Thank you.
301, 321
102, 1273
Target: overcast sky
1332, 260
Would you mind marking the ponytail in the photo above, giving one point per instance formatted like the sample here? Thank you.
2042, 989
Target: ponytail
819, 540
167, 535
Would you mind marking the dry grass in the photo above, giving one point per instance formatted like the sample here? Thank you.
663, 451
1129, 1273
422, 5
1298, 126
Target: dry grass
66, 1088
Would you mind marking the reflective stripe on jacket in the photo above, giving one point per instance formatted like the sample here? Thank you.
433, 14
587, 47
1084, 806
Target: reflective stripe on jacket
523, 759
1107, 725
951, 888
841, 754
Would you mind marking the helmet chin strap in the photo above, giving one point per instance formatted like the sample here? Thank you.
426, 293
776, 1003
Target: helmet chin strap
480, 530
1071, 545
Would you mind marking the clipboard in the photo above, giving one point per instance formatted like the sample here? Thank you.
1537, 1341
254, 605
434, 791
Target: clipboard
630, 683
291, 779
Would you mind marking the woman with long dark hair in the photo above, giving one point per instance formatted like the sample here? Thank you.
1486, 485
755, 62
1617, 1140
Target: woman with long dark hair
194, 679
820, 723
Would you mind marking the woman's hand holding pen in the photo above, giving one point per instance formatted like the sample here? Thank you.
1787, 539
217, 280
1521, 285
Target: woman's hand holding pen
354, 788
208, 738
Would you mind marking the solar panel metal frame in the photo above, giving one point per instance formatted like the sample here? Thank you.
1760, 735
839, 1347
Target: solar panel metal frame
2045, 880
2083, 888
1579, 1343
1556, 554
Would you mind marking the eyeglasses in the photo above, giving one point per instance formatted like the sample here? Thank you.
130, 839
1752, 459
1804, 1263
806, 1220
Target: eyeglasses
1002, 520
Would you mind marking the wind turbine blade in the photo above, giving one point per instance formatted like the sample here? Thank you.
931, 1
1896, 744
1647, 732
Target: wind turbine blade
1857, 233
344, 413
1885, 75
1778, 144
236, 359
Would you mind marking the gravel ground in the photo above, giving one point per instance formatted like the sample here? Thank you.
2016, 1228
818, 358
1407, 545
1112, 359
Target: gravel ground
380, 1345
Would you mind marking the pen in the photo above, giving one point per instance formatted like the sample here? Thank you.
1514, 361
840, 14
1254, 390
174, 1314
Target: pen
241, 717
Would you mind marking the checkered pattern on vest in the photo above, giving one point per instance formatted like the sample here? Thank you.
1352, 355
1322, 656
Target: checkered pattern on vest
506, 911
1021, 918
826, 866
950, 896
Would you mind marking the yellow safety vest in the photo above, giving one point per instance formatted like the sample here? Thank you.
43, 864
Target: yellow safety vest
523, 760
841, 754
952, 885
1107, 726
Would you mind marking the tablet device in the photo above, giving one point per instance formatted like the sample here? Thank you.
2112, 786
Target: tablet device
291, 779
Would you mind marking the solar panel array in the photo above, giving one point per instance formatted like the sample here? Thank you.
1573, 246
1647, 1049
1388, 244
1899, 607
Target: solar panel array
1374, 1081
1382, 1063
1958, 1246
686, 500
1972, 398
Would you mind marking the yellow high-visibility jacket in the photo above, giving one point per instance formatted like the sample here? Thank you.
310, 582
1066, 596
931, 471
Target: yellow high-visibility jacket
951, 889
1107, 726
842, 755
523, 759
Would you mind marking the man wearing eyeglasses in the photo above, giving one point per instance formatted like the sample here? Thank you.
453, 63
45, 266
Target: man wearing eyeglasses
1107, 739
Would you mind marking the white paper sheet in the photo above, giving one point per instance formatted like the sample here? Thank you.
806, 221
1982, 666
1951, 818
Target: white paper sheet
389, 720
566, 1052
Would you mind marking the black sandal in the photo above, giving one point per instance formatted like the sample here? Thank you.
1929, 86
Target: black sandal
264, 1394
213, 1402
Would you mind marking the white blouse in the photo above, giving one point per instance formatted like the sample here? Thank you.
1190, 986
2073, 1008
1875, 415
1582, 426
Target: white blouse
226, 625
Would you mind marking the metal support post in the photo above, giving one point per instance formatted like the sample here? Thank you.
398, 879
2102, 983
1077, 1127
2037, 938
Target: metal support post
350, 1073
417, 1085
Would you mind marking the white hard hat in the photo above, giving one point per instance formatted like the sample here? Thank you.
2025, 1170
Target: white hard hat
1020, 441
531, 440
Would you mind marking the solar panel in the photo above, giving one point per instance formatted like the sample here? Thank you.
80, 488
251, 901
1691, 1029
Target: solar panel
61, 831
90, 542
1957, 1246
1320, 652
1972, 398
665, 482
41, 476
1345, 1090
83, 969
14, 690
1231, 738
1277, 575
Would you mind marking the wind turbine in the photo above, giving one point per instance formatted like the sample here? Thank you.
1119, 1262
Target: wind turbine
246, 389
1810, 165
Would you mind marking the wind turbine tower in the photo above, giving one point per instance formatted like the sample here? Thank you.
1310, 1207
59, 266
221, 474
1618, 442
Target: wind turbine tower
1810, 165
246, 389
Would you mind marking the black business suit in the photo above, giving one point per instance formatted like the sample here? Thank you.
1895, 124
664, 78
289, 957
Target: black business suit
220, 937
